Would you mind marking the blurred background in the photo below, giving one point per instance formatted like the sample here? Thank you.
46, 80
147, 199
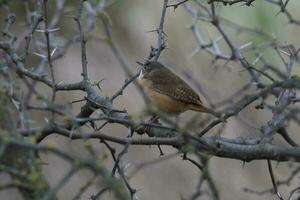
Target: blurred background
132, 23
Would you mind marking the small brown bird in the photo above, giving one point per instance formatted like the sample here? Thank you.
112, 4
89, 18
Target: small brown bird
168, 92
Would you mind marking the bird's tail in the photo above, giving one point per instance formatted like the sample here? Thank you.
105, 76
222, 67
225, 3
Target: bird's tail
201, 108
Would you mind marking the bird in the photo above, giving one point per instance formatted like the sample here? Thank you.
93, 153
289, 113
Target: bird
168, 92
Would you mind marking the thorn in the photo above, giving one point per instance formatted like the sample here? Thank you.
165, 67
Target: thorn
70, 16
245, 45
46, 120
60, 82
216, 47
71, 134
40, 55
49, 30
195, 52
284, 52
256, 60
54, 50
151, 31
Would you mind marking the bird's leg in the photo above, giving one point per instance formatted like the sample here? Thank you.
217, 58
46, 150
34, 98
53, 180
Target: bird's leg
161, 153
144, 129
154, 119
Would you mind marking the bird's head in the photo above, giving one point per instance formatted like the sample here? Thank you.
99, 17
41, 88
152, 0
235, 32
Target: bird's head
149, 69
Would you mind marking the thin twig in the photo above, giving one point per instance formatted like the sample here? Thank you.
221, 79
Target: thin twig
49, 59
160, 32
273, 180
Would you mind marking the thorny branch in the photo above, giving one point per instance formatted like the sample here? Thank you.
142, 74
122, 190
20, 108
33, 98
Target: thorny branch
268, 88
49, 53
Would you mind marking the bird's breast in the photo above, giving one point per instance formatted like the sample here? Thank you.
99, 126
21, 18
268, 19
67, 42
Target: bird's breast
161, 101
165, 103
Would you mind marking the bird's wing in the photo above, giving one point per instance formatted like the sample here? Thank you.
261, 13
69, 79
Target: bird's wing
187, 94
175, 88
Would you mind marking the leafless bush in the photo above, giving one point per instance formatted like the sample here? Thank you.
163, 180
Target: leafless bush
30, 45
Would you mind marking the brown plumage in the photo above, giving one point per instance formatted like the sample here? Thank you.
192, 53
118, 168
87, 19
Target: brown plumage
168, 92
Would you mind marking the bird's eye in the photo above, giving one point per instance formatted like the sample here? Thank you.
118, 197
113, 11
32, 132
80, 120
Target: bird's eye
147, 68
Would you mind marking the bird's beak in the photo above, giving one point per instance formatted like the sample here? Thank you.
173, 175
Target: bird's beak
141, 70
